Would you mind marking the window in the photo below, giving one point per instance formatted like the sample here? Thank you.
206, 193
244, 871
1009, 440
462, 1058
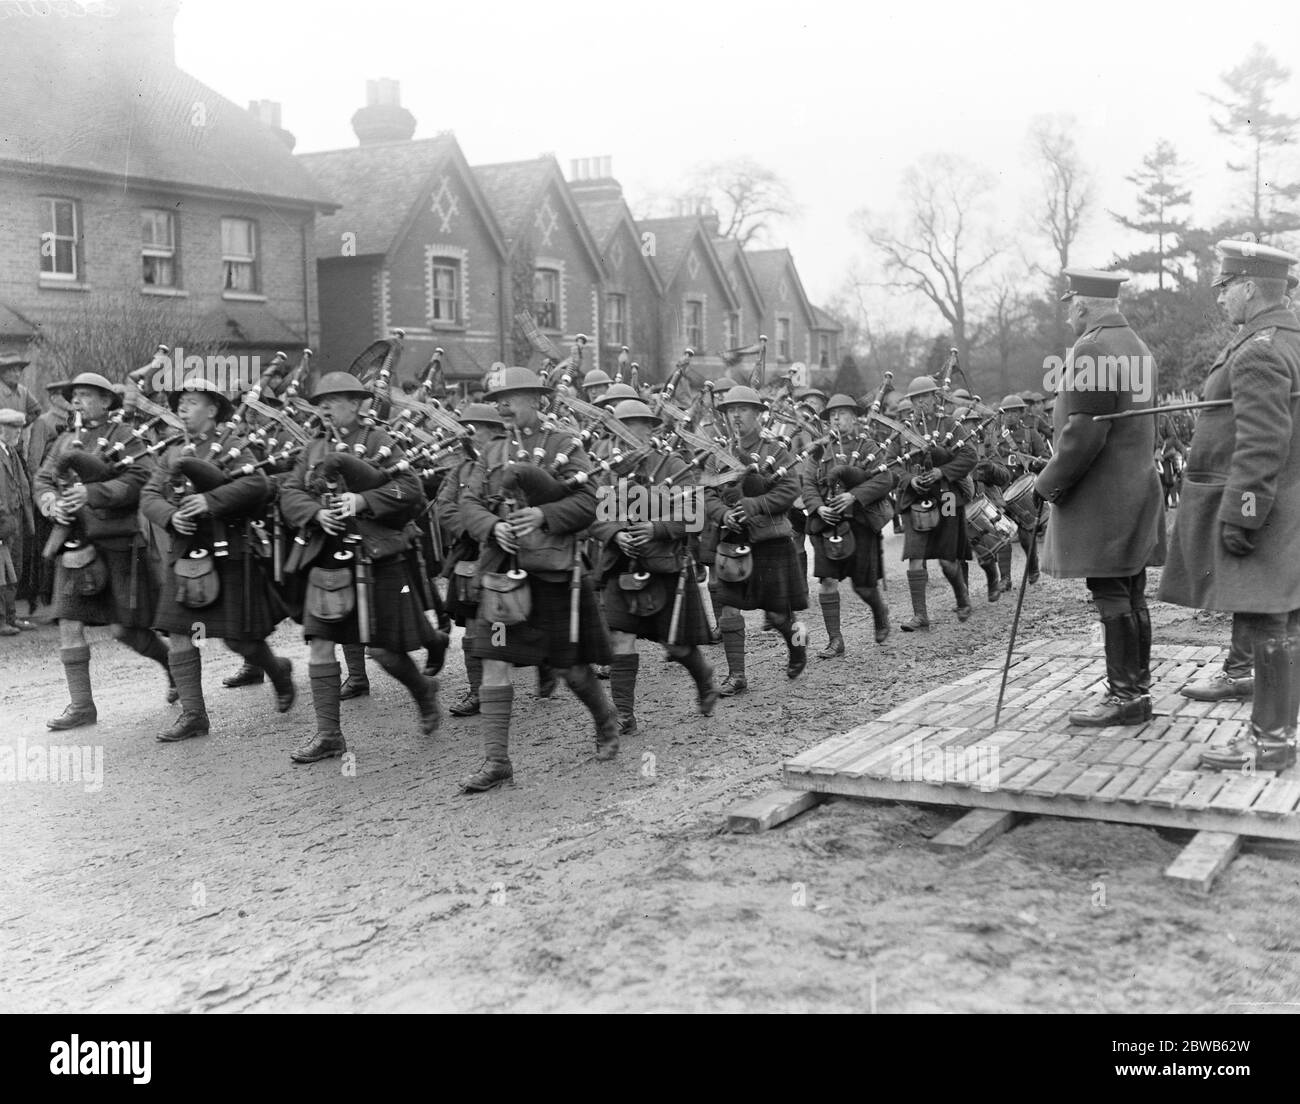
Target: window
615, 319
824, 350
445, 285
59, 240
731, 330
546, 298
694, 324
783, 339
158, 248
239, 255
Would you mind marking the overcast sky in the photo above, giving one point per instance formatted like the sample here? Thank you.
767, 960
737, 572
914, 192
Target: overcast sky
838, 98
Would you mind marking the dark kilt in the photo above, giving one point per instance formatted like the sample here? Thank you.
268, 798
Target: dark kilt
863, 567
946, 541
223, 620
397, 621
112, 605
776, 583
544, 637
692, 627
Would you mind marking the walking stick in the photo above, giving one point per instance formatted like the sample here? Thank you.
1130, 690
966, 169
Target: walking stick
1015, 621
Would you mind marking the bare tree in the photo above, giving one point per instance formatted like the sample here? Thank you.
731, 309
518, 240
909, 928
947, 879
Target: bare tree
944, 249
749, 198
1004, 326
1067, 187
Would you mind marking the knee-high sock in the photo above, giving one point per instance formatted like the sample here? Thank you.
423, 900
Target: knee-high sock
325, 696
917, 581
586, 687
733, 642
622, 683
402, 667
187, 673
76, 669
148, 644
1004, 560
957, 582
875, 602
830, 604
258, 653
495, 704
354, 655
698, 666
474, 671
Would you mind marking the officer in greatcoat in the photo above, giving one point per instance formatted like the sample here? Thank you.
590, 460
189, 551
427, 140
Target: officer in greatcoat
1238, 526
1108, 518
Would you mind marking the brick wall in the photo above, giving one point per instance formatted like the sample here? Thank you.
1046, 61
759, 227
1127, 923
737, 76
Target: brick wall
628, 276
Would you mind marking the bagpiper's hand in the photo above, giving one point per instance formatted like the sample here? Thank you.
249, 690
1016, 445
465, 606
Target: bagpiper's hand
48, 504
74, 498
827, 514
330, 522
185, 526
504, 535
525, 520
194, 506
735, 519
642, 532
1238, 541
348, 504
627, 544
843, 501
920, 484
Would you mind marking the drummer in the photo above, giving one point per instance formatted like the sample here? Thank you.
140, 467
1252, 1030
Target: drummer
1026, 454
987, 526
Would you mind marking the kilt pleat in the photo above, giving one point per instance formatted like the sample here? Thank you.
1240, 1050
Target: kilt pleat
692, 627
946, 541
112, 605
544, 637
397, 621
776, 583
863, 567
223, 620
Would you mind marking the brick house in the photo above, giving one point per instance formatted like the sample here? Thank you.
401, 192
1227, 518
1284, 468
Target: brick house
633, 290
740, 276
699, 310
789, 320
553, 267
825, 341
129, 186
413, 245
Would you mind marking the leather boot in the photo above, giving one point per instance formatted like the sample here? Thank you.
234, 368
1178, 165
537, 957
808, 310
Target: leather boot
582, 681
958, 583
1124, 703
247, 675
497, 702
879, 611
1270, 743
917, 581
1236, 681
830, 604
1143, 616
622, 684
187, 670
281, 672
468, 703
81, 707
733, 647
793, 632
357, 684
706, 689
327, 741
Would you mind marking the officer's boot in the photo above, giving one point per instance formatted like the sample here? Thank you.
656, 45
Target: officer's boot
495, 705
327, 741
830, 604
1236, 680
1143, 615
357, 684
583, 682
953, 573
1270, 743
879, 611
622, 684
81, 705
706, 688
917, 580
1124, 704
187, 673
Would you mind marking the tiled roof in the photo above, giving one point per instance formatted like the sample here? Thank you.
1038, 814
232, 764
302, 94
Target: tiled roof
730, 253
137, 121
376, 186
511, 190
823, 321
672, 238
769, 266
601, 215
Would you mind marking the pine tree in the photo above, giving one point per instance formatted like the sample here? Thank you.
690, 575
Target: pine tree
1160, 194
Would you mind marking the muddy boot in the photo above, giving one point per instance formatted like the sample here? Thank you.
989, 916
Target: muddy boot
879, 611
917, 581
81, 707
327, 741
958, 583
187, 671
830, 604
622, 684
496, 703
706, 687
582, 681
991, 578
1124, 703
1271, 743
357, 684
423, 690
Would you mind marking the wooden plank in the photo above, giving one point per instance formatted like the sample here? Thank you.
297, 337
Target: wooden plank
883, 751
1119, 782
886, 734
817, 752
1239, 793
1099, 748
1170, 789
1124, 748
1050, 784
1140, 787
1009, 768
1202, 791
761, 813
1027, 777
1281, 798
910, 760
1164, 759
1201, 860
1089, 782
975, 830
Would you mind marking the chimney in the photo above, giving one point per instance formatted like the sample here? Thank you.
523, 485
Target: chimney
592, 178
267, 112
383, 119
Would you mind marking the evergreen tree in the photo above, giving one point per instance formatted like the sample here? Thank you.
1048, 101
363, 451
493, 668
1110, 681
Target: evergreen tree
1160, 194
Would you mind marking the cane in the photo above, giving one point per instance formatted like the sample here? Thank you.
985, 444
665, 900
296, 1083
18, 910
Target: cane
1015, 621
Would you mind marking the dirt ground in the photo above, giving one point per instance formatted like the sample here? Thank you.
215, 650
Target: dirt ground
214, 875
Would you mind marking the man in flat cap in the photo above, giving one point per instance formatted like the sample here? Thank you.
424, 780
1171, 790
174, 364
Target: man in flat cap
1108, 519
1238, 528
14, 395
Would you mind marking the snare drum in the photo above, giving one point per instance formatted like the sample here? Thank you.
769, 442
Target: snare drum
1019, 502
987, 528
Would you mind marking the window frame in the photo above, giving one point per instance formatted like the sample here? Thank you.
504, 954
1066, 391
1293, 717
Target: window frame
695, 341
619, 338
51, 228
783, 344
550, 313
444, 263
168, 253
240, 258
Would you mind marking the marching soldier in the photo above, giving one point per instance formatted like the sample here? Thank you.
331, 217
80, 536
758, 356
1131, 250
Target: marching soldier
1237, 529
538, 594
1025, 452
991, 477
594, 384
754, 553
104, 578
213, 581
651, 590
932, 500
353, 543
1108, 518
847, 496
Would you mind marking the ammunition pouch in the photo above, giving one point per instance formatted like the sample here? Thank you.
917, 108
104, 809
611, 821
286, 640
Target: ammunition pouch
331, 593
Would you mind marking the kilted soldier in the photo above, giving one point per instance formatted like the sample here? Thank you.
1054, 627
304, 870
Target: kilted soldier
102, 574
932, 499
1238, 526
810, 402
462, 584
753, 552
1108, 516
353, 511
204, 493
991, 479
525, 506
846, 487
1025, 453
651, 589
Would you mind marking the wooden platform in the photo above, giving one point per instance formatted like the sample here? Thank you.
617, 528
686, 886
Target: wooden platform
941, 748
